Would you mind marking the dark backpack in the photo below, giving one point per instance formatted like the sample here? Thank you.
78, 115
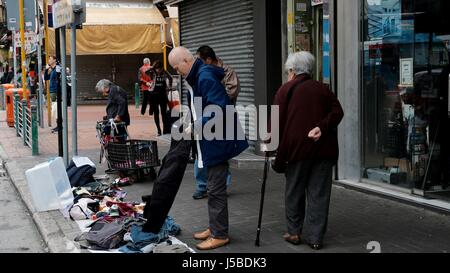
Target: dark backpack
106, 235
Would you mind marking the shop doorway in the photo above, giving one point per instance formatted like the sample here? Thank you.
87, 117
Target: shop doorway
317, 19
305, 30
431, 85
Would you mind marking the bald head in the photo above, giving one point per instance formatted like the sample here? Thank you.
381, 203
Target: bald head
182, 60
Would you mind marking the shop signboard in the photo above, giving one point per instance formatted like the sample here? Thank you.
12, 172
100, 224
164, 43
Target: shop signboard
30, 41
62, 13
316, 2
13, 20
407, 72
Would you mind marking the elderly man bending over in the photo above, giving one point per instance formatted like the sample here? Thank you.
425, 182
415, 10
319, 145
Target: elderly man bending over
204, 83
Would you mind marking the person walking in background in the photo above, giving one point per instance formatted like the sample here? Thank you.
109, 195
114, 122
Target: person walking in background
146, 84
309, 116
53, 75
158, 97
32, 82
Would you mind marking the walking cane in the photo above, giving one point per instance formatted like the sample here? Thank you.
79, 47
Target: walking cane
263, 193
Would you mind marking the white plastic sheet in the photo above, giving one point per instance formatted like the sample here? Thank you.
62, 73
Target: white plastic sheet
50, 186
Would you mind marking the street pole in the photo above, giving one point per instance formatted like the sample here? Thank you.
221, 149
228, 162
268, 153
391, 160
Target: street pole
73, 64
47, 55
22, 50
165, 47
59, 98
62, 33
41, 82
15, 58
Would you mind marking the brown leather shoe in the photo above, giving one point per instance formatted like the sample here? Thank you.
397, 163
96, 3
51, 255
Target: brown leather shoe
293, 239
213, 243
202, 236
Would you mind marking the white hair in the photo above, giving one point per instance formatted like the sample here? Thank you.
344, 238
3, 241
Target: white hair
301, 63
102, 84
147, 61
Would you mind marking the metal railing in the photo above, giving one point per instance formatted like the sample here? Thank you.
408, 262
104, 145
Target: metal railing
26, 124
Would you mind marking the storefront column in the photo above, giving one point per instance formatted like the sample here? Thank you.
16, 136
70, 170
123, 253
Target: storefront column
348, 88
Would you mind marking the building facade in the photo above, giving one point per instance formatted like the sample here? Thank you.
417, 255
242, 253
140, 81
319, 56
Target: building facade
387, 61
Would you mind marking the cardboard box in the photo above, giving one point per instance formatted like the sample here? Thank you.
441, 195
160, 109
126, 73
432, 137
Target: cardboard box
401, 163
385, 176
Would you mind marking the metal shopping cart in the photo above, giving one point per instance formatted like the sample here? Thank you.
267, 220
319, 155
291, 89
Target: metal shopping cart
108, 132
125, 155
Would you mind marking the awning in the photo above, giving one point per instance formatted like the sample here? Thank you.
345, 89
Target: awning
124, 16
112, 40
118, 27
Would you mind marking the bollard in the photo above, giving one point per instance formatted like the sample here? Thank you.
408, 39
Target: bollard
16, 113
137, 95
24, 121
34, 131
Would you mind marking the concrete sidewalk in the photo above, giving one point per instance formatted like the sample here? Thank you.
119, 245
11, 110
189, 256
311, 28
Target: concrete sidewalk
356, 219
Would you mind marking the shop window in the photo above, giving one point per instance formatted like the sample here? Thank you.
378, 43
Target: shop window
405, 94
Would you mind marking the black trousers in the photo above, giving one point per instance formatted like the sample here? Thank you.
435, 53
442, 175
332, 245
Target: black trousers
308, 193
218, 200
167, 185
145, 102
158, 106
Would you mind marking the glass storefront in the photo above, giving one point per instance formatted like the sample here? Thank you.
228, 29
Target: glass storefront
406, 74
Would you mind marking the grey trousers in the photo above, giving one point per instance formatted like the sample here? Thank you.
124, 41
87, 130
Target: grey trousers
218, 200
308, 193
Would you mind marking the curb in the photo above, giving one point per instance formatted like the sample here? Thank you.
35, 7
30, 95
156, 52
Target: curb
52, 234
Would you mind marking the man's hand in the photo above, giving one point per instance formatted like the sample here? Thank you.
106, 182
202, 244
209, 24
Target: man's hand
315, 134
188, 130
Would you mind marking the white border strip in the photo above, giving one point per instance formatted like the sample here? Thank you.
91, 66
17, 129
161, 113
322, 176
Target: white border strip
437, 204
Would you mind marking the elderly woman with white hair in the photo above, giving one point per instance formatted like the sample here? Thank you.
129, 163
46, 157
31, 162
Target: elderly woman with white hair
309, 116
117, 108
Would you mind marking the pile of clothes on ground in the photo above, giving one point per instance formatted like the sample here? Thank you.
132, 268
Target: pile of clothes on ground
111, 224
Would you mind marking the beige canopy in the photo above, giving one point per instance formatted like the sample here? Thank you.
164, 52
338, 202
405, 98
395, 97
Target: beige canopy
118, 27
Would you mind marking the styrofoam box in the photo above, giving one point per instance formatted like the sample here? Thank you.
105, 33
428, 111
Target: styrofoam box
50, 186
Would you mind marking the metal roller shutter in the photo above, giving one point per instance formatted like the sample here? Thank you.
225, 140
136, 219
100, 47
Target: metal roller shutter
226, 26
91, 69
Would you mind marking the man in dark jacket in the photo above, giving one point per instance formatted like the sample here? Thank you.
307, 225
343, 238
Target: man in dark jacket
204, 83
309, 116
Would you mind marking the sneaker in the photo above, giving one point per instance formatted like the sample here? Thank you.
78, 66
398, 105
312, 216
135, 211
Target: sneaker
198, 195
